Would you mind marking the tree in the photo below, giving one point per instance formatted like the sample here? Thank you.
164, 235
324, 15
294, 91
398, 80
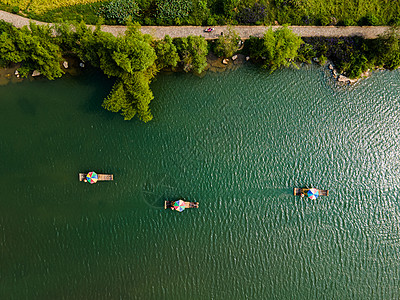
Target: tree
228, 44
192, 51
130, 58
131, 95
389, 49
34, 48
256, 47
167, 55
280, 47
8, 51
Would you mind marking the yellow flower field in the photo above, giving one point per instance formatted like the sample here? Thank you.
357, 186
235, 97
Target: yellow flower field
40, 6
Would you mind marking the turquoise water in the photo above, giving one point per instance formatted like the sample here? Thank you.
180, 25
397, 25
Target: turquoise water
238, 143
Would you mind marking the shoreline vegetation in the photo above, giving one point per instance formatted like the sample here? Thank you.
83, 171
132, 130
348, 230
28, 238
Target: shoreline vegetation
134, 58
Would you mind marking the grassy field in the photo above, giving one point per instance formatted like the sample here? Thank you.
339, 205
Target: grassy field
41, 6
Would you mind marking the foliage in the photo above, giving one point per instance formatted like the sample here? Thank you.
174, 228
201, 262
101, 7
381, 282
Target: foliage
23, 4
252, 15
197, 12
228, 44
15, 9
131, 95
119, 10
322, 60
41, 6
173, 9
200, 13
351, 55
8, 50
306, 53
370, 19
130, 58
280, 47
230, 7
389, 49
255, 47
193, 51
167, 55
32, 46
74, 13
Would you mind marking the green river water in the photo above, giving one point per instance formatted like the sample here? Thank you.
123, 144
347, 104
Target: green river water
237, 142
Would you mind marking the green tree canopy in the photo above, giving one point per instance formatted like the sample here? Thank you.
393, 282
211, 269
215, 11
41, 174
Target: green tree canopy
167, 55
193, 52
130, 58
389, 49
33, 48
131, 95
280, 47
228, 44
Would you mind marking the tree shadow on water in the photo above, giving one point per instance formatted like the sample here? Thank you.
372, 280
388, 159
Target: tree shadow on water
27, 106
101, 85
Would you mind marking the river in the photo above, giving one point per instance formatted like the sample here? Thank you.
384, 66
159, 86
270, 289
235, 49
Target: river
237, 142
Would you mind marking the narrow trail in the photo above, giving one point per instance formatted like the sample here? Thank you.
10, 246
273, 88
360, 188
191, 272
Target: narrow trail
368, 32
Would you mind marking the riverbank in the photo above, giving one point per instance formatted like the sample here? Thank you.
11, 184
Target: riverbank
215, 64
352, 56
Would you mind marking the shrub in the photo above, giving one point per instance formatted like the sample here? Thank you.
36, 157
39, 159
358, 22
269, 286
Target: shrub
394, 21
230, 7
33, 47
192, 51
370, 20
148, 21
308, 20
252, 15
322, 60
119, 10
167, 55
211, 21
349, 22
389, 49
305, 53
255, 47
221, 20
282, 3
228, 44
327, 20
200, 13
351, 55
280, 47
172, 9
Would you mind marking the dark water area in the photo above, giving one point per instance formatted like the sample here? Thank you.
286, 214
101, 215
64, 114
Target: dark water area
237, 142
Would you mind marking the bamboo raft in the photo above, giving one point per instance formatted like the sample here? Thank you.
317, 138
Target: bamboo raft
303, 191
101, 177
170, 204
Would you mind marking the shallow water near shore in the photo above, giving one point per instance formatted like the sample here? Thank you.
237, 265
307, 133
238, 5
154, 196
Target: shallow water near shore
237, 142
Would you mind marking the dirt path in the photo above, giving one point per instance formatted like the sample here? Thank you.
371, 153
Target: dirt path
244, 32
